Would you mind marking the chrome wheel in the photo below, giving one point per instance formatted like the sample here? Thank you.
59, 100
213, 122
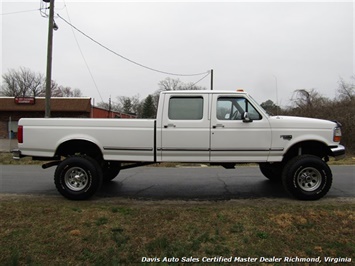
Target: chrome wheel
76, 179
309, 179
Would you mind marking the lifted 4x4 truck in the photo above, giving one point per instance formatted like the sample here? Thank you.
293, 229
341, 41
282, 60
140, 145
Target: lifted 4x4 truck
216, 127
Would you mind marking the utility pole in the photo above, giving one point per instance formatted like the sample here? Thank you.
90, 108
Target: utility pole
49, 59
109, 107
211, 79
277, 95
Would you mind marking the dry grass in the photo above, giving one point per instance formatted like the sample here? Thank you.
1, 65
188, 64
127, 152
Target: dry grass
52, 230
6, 158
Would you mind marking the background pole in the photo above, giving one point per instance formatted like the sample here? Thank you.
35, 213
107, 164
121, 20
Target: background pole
49, 60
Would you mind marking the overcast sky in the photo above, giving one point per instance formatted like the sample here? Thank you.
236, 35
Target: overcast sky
257, 46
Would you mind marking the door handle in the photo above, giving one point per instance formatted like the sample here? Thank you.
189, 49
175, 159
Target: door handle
169, 125
218, 125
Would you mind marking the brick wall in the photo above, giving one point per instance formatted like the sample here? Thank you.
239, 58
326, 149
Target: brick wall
4, 123
3, 130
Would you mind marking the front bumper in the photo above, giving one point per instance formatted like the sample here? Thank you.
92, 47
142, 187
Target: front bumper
338, 152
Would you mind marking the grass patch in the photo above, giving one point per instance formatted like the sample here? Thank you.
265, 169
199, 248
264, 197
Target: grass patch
349, 159
6, 158
42, 230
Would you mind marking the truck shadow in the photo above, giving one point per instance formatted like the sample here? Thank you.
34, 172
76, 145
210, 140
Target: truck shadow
192, 191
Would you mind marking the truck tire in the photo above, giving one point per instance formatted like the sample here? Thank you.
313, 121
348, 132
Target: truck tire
271, 171
78, 177
307, 177
110, 170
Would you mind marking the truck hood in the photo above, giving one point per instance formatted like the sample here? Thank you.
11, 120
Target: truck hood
300, 122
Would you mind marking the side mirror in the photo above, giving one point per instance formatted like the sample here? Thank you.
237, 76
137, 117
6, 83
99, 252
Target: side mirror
246, 118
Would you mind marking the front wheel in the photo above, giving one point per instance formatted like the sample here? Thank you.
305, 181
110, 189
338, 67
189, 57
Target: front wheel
78, 177
307, 177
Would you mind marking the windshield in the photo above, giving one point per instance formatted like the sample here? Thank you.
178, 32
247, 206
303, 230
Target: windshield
259, 106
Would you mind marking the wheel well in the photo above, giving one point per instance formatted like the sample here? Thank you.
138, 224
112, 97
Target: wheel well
72, 147
316, 148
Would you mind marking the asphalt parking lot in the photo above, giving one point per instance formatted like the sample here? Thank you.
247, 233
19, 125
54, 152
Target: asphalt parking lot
158, 183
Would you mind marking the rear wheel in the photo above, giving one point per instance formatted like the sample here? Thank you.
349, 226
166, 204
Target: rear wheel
78, 177
307, 177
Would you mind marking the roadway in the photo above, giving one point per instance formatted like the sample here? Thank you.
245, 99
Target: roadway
200, 183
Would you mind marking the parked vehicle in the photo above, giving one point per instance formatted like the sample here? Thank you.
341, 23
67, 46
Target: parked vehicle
217, 127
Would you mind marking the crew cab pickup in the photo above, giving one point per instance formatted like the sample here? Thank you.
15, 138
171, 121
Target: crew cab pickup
216, 127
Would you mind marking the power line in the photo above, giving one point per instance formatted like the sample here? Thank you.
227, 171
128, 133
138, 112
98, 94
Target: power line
18, 12
200, 79
129, 60
82, 55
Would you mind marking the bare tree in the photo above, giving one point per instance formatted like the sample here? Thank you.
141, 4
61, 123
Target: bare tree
22, 82
169, 84
136, 104
25, 82
347, 89
103, 105
192, 86
65, 91
308, 99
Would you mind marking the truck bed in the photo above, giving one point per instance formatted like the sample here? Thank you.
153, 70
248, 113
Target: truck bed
121, 140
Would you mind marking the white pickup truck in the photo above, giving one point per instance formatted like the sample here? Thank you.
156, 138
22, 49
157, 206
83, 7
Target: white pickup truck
215, 127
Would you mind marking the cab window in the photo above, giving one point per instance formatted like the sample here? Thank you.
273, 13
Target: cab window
185, 108
233, 108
